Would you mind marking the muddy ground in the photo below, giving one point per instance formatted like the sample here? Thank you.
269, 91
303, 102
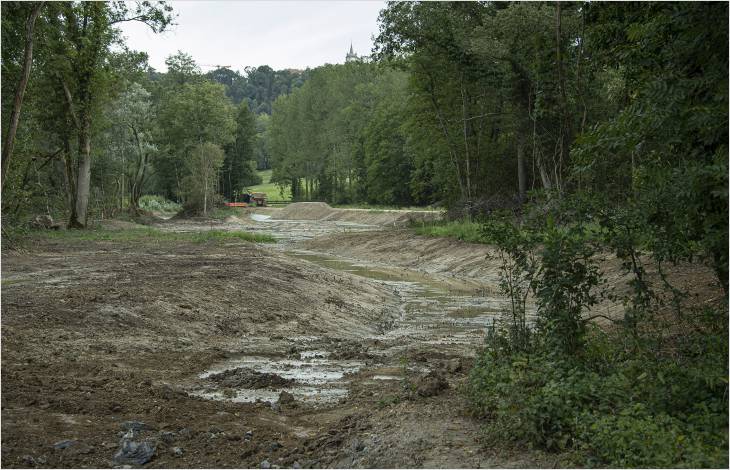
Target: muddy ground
343, 345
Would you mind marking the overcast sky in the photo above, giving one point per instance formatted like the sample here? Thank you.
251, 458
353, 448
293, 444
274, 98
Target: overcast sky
281, 34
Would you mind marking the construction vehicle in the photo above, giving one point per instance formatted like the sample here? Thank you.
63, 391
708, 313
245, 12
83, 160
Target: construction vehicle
249, 199
259, 199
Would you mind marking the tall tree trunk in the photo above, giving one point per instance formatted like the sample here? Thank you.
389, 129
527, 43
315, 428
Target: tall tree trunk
544, 175
564, 125
9, 141
139, 173
442, 123
205, 184
136, 193
69, 178
83, 179
521, 170
467, 156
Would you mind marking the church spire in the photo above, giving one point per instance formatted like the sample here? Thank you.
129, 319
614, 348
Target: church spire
351, 55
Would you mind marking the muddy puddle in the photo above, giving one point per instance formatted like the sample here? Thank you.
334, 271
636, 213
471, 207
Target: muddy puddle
311, 378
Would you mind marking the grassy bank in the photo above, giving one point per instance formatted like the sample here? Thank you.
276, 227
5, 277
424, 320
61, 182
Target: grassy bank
467, 231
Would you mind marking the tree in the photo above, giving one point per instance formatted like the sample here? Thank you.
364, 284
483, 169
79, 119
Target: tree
85, 34
261, 145
190, 115
332, 139
203, 165
7, 150
181, 69
134, 118
238, 170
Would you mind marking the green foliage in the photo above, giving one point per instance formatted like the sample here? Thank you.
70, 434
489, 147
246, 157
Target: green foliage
190, 114
238, 167
463, 230
338, 138
613, 398
220, 236
203, 165
155, 203
609, 410
258, 87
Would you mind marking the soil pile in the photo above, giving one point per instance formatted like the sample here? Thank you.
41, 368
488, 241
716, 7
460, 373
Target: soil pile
323, 211
402, 248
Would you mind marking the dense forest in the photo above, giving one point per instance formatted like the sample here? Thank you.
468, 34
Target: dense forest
94, 127
565, 130
477, 104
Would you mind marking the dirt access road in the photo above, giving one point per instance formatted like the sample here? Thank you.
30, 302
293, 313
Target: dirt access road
233, 354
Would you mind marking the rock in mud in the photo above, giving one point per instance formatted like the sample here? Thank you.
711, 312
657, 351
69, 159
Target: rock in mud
431, 384
248, 436
265, 464
286, 398
357, 445
134, 453
176, 451
66, 443
74, 447
167, 437
296, 465
248, 378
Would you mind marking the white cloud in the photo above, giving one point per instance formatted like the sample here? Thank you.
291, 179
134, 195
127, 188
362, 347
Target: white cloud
281, 34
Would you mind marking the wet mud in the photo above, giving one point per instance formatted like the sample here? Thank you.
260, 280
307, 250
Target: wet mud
231, 353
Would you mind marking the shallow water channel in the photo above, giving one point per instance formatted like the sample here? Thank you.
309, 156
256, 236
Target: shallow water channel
433, 314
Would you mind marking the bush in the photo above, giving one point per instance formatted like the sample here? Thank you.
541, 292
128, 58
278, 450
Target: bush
154, 203
639, 412
599, 398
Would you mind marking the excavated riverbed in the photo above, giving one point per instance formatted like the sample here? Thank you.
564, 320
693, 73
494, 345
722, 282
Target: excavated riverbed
444, 315
305, 353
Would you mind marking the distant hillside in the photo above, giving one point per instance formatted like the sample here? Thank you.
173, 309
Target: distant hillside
260, 86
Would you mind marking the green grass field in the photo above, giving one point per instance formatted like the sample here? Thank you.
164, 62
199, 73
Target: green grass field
272, 191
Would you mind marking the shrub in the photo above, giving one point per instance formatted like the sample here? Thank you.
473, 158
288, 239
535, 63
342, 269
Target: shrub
158, 204
599, 398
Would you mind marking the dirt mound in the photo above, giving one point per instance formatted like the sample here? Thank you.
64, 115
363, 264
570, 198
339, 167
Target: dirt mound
247, 378
323, 211
305, 211
402, 248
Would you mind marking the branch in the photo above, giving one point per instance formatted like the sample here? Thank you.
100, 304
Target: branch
478, 116
69, 101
